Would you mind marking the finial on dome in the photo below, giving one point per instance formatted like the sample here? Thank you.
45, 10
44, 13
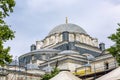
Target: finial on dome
66, 20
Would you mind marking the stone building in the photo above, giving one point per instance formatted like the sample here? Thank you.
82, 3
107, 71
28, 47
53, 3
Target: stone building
68, 46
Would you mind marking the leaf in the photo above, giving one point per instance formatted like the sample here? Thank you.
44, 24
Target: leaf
115, 50
6, 7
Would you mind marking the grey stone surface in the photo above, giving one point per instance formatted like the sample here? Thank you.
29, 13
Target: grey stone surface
67, 27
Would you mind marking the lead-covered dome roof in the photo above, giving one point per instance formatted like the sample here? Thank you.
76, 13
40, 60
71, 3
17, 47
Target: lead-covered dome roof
67, 27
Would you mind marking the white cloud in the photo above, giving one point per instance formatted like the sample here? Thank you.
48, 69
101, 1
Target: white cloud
33, 19
47, 5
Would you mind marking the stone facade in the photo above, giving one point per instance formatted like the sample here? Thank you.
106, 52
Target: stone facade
69, 47
64, 37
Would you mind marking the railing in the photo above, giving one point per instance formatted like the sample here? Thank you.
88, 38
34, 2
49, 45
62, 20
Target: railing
88, 70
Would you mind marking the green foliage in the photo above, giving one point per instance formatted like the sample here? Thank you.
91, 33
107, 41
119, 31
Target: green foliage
115, 50
50, 75
6, 7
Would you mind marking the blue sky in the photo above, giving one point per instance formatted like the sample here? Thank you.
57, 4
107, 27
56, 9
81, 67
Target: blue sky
33, 19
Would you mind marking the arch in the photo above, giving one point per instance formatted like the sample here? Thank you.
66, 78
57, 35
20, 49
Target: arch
106, 64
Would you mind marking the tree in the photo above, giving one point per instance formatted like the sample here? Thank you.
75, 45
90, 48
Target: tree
6, 7
54, 72
50, 75
115, 50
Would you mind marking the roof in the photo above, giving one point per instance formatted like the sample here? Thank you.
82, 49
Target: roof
67, 27
59, 58
32, 66
40, 51
113, 75
68, 52
65, 75
14, 63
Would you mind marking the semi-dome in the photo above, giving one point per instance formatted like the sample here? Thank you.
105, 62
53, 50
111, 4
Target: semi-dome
67, 27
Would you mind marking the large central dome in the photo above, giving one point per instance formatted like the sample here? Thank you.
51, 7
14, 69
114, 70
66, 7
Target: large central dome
67, 27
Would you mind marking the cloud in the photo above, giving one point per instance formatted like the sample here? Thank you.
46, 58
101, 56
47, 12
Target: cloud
33, 19
47, 5
115, 2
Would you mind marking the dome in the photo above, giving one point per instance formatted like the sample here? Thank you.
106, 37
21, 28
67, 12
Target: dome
40, 51
32, 66
14, 63
67, 27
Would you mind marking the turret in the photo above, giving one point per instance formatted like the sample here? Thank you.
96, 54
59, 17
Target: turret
33, 47
39, 44
65, 36
102, 46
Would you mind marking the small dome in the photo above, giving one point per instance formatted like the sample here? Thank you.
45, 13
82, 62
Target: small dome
32, 66
89, 56
68, 52
14, 63
67, 27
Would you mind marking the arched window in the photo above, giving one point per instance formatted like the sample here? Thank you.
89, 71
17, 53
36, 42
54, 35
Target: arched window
106, 64
67, 47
